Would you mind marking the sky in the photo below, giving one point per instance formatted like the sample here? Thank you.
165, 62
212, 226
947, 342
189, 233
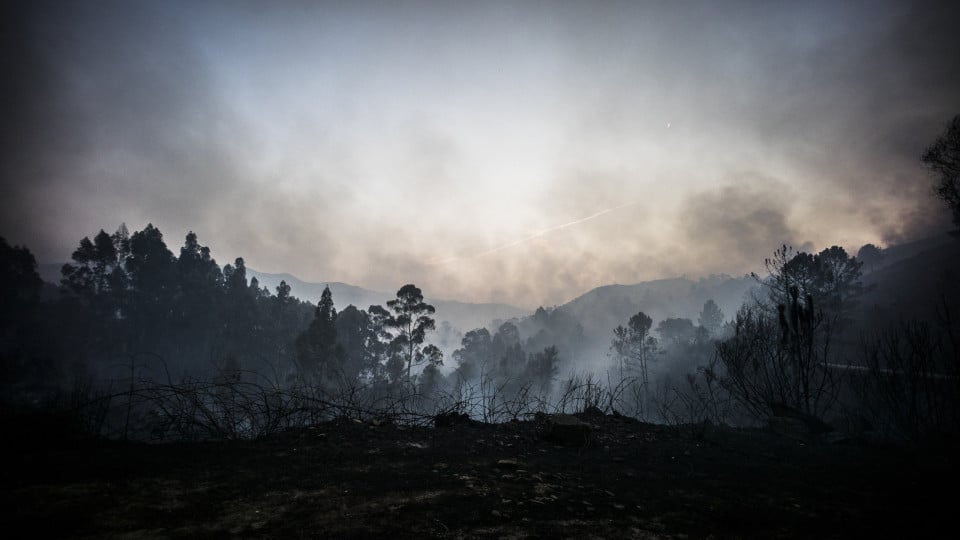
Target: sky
519, 152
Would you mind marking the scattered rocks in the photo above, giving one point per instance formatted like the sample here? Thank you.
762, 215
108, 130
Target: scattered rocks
508, 464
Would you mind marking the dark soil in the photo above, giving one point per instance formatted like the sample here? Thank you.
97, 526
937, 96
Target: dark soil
348, 479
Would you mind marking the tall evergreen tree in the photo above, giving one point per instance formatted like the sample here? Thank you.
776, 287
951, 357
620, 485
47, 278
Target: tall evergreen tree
152, 270
96, 271
199, 300
317, 350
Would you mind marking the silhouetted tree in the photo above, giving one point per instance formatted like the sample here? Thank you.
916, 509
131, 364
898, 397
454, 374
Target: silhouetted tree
831, 277
317, 348
787, 269
476, 351
395, 368
507, 336
633, 346
871, 256
90, 314
430, 378
552, 327
432, 356
121, 242
20, 287
385, 358
943, 159
95, 273
20, 283
411, 318
201, 284
285, 317
711, 318
239, 313
511, 359
543, 367
152, 271
256, 291
119, 277
150, 263
775, 365
283, 291
358, 341
838, 281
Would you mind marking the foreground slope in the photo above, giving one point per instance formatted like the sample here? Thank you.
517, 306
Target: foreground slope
349, 479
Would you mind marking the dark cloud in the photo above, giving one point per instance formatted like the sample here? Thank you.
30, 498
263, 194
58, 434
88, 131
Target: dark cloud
731, 226
856, 110
24, 99
360, 143
126, 123
123, 125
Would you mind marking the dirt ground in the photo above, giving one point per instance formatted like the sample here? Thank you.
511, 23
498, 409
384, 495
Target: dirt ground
352, 479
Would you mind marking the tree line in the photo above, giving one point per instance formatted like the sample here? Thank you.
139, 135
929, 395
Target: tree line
127, 303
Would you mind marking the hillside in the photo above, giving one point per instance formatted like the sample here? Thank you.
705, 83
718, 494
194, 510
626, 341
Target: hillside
914, 281
604, 308
344, 294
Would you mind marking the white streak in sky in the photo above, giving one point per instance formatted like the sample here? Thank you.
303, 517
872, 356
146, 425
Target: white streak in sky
538, 234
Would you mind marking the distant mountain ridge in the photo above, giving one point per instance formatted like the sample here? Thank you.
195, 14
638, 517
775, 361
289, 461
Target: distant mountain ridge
898, 284
463, 316
915, 280
604, 308
344, 294
599, 310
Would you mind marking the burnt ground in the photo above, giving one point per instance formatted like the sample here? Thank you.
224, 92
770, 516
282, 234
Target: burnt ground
347, 479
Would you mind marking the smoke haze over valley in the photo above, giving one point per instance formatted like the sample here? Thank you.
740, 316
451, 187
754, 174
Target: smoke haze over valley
490, 152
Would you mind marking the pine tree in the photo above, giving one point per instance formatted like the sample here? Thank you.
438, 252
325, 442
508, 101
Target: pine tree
318, 353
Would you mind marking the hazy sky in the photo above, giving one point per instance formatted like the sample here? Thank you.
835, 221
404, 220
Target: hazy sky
521, 151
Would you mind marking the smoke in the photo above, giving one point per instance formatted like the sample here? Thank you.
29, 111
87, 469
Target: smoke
734, 223
359, 143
